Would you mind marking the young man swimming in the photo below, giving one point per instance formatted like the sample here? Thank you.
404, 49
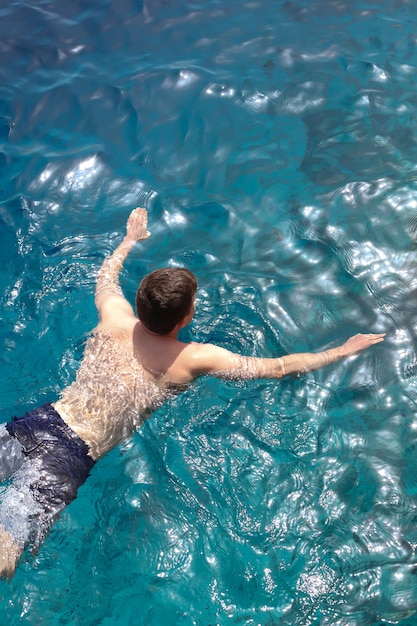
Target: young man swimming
130, 366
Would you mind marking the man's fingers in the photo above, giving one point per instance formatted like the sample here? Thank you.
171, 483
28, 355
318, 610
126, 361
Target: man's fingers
378, 336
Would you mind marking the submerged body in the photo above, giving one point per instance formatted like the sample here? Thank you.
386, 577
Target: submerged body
50, 451
129, 367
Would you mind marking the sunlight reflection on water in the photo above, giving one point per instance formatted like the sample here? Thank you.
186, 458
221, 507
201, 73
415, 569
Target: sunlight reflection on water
273, 146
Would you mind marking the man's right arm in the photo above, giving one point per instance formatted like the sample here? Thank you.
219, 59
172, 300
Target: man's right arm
217, 361
109, 298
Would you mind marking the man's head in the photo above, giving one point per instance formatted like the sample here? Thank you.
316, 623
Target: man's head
164, 298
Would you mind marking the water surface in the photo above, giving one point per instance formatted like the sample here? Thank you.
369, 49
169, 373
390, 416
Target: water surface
274, 145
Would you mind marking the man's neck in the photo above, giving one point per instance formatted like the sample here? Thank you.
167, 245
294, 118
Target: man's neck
171, 335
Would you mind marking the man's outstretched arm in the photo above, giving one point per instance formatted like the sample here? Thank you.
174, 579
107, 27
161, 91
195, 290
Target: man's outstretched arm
210, 359
108, 292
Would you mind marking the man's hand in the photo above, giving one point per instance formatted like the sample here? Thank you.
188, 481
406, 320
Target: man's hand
136, 227
360, 342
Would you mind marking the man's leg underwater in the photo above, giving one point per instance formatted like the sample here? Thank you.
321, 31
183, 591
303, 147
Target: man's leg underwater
11, 454
10, 553
12, 459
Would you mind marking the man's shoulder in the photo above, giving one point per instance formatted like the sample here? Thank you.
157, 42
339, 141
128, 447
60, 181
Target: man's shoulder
206, 358
120, 327
113, 308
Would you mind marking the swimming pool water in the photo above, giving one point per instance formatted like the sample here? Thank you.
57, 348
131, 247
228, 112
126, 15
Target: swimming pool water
274, 145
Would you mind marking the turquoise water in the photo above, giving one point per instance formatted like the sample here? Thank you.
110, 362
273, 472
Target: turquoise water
274, 145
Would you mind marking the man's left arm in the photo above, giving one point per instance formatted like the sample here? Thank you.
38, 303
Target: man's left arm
217, 361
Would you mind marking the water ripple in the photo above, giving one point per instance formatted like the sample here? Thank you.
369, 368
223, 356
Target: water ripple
274, 149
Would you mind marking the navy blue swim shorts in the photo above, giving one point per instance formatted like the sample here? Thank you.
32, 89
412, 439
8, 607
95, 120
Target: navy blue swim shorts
43, 463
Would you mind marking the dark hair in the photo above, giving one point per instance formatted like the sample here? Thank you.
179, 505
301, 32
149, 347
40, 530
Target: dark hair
164, 297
